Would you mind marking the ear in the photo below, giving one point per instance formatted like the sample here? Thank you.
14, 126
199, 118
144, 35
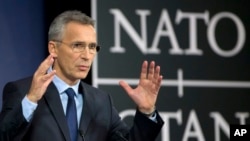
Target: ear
52, 47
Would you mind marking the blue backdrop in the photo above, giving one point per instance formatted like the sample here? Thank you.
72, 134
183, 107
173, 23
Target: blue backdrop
22, 39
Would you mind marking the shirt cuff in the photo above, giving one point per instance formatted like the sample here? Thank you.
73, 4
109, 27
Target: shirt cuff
153, 117
28, 108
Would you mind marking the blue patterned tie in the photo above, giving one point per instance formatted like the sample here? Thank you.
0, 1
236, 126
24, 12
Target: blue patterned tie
71, 114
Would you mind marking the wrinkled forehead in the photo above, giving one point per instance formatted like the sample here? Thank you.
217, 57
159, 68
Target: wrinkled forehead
79, 32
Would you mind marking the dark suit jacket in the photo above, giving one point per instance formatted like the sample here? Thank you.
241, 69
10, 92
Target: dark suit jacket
99, 121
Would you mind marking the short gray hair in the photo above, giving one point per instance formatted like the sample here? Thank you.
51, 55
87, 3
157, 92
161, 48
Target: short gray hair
57, 26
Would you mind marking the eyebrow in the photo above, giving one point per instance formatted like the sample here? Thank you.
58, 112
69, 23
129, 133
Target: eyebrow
84, 42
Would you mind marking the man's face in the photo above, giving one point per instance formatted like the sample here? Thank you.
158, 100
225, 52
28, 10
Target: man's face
71, 66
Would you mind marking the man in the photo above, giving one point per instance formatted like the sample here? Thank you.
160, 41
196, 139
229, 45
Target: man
40, 108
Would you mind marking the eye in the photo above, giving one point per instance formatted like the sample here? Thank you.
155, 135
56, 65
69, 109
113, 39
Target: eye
78, 45
92, 46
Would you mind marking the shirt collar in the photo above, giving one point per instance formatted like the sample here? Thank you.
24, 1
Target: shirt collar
61, 85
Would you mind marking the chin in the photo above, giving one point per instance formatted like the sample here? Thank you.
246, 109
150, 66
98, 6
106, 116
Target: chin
82, 76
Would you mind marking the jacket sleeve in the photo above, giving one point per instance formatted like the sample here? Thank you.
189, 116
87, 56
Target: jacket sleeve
12, 121
143, 128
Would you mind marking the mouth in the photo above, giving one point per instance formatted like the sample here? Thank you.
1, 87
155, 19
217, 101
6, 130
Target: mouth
83, 67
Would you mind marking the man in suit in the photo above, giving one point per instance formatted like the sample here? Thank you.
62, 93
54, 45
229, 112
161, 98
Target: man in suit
39, 108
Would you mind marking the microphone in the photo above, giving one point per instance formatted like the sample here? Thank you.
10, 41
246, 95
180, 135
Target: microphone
82, 134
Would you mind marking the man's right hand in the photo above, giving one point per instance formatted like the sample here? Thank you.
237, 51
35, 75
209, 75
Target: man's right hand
41, 79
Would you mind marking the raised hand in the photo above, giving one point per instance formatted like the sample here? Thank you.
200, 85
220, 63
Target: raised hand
145, 94
41, 79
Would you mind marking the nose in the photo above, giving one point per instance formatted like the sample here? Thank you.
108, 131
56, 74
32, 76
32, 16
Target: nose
86, 55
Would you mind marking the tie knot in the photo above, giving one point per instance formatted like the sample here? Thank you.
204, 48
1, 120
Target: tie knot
70, 92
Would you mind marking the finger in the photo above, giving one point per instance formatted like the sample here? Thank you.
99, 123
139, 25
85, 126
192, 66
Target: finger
144, 70
151, 70
125, 86
157, 78
157, 73
158, 84
44, 66
49, 77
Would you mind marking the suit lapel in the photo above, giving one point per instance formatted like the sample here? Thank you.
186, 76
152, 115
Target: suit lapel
88, 107
53, 99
